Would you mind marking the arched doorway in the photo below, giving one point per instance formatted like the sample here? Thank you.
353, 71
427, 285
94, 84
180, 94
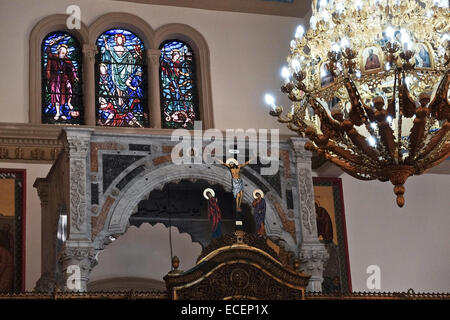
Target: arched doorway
182, 205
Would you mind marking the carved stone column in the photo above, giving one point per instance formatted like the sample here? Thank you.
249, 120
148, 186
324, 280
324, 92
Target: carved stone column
313, 254
46, 282
77, 259
78, 144
89, 52
153, 56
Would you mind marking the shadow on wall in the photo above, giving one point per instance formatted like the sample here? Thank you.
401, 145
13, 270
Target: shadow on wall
140, 258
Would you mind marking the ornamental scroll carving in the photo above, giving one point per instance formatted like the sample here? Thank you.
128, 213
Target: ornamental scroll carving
307, 200
77, 193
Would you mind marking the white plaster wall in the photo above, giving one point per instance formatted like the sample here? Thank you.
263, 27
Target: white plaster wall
247, 53
144, 252
411, 245
33, 220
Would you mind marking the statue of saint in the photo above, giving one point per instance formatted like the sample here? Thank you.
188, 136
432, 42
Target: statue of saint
237, 184
260, 211
214, 212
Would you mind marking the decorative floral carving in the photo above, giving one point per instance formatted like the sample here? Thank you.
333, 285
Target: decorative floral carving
77, 193
307, 200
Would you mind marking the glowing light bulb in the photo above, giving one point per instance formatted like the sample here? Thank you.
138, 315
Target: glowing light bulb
372, 141
390, 32
373, 125
340, 8
345, 43
313, 22
285, 73
387, 66
358, 4
406, 40
293, 44
295, 64
429, 13
325, 16
335, 48
323, 3
299, 32
443, 3
270, 100
358, 74
445, 38
389, 119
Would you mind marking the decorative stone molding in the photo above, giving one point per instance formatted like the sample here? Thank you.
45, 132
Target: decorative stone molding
81, 255
279, 8
29, 143
313, 254
78, 141
313, 257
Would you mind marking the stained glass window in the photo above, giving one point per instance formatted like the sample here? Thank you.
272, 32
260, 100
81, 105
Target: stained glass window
62, 99
179, 102
121, 80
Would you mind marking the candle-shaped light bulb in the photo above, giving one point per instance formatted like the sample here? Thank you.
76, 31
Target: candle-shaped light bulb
390, 32
358, 4
270, 100
295, 65
299, 32
335, 48
345, 43
372, 141
313, 22
285, 74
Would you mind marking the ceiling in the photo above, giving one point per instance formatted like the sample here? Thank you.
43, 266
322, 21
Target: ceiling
287, 8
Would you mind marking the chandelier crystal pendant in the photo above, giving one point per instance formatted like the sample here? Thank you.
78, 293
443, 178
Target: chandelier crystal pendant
369, 85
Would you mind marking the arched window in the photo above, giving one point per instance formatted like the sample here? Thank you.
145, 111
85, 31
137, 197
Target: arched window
179, 98
62, 97
121, 96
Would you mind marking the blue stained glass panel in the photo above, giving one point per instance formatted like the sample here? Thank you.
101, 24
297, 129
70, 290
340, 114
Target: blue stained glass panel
121, 80
62, 99
179, 101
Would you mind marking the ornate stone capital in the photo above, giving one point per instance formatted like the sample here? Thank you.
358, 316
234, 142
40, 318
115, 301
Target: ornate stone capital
298, 145
89, 51
153, 56
81, 257
78, 141
313, 257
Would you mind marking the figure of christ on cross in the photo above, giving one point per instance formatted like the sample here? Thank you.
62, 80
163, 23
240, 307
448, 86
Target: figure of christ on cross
237, 184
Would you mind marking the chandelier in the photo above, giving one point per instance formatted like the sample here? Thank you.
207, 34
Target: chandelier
369, 85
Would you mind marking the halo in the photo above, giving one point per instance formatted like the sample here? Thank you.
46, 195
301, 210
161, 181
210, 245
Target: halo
233, 160
258, 191
208, 190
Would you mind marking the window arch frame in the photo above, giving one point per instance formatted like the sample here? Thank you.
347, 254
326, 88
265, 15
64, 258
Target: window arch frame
195, 99
41, 30
143, 64
87, 37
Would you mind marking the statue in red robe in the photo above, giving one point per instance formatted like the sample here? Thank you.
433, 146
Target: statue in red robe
215, 215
